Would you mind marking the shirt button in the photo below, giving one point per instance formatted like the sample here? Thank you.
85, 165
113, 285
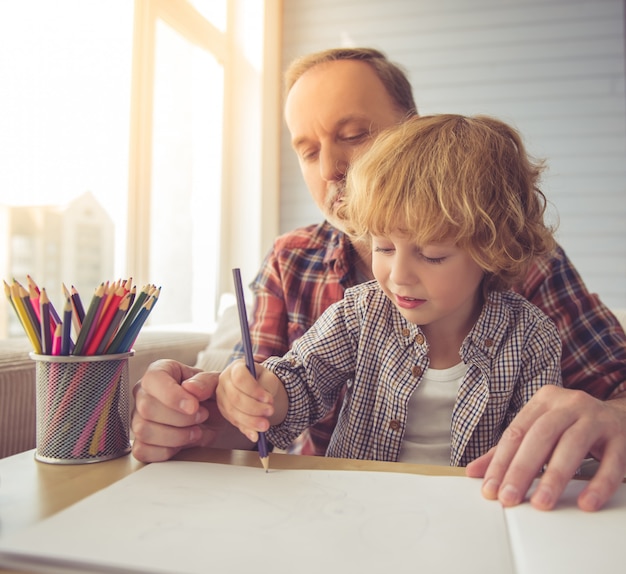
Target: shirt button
405, 332
419, 339
416, 371
292, 362
488, 342
394, 425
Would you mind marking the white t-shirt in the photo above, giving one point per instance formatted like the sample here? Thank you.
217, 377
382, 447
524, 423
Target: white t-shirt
427, 436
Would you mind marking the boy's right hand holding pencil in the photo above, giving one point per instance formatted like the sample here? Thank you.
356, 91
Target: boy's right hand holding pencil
252, 405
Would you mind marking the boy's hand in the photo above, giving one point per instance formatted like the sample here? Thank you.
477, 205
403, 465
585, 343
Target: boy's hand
244, 401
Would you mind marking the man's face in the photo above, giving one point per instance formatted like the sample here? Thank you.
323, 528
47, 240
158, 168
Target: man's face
333, 112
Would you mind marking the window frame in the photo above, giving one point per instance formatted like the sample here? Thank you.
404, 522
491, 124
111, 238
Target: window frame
258, 196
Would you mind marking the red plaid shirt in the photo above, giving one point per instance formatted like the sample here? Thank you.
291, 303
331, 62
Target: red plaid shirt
311, 267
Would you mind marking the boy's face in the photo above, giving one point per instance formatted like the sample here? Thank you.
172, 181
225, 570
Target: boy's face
437, 286
333, 111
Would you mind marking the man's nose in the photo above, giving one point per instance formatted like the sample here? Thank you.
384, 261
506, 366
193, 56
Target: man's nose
333, 164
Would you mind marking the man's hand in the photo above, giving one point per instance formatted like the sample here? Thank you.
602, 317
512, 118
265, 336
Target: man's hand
560, 427
175, 409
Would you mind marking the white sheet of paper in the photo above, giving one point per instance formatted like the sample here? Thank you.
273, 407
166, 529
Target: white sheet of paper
567, 539
192, 517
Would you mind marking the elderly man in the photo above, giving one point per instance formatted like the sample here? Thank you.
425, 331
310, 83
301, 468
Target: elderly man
337, 101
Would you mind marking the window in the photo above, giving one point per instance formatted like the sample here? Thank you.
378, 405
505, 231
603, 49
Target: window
118, 140
178, 101
65, 103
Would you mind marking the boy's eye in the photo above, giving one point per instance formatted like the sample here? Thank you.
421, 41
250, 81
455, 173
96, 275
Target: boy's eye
383, 249
434, 260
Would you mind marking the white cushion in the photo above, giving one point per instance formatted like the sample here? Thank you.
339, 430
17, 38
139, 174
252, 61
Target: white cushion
227, 334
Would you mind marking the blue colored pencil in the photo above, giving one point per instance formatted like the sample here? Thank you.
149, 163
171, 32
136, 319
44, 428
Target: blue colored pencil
247, 347
77, 304
135, 305
129, 338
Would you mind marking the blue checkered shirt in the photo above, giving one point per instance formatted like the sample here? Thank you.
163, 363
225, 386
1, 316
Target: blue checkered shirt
364, 344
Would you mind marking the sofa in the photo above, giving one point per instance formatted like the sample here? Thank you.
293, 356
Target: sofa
207, 350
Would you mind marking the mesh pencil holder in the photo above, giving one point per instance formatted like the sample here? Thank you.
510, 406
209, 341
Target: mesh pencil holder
82, 409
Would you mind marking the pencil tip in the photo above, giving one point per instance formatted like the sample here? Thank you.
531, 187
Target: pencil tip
265, 462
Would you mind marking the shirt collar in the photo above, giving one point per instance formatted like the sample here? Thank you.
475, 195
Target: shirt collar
337, 245
339, 255
490, 329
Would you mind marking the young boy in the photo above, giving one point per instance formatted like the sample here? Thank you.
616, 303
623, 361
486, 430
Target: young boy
437, 355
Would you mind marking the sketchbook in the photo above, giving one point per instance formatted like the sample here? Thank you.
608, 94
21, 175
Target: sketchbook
195, 517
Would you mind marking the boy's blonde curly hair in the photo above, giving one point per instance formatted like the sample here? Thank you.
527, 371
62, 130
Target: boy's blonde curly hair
453, 178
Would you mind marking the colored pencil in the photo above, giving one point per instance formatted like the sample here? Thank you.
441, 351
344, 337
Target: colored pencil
127, 341
56, 340
72, 392
66, 338
121, 311
75, 320
133, 295
33, 296
247, 346
90, 316
98, 315
77, 305
29, 307
27, 324
100, 398
32, 285
110, 293
109, 309
103, 413
46, 325
111, 324
137, 304
7, 292
36, 292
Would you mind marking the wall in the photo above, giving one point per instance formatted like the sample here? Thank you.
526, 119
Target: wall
553, 68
